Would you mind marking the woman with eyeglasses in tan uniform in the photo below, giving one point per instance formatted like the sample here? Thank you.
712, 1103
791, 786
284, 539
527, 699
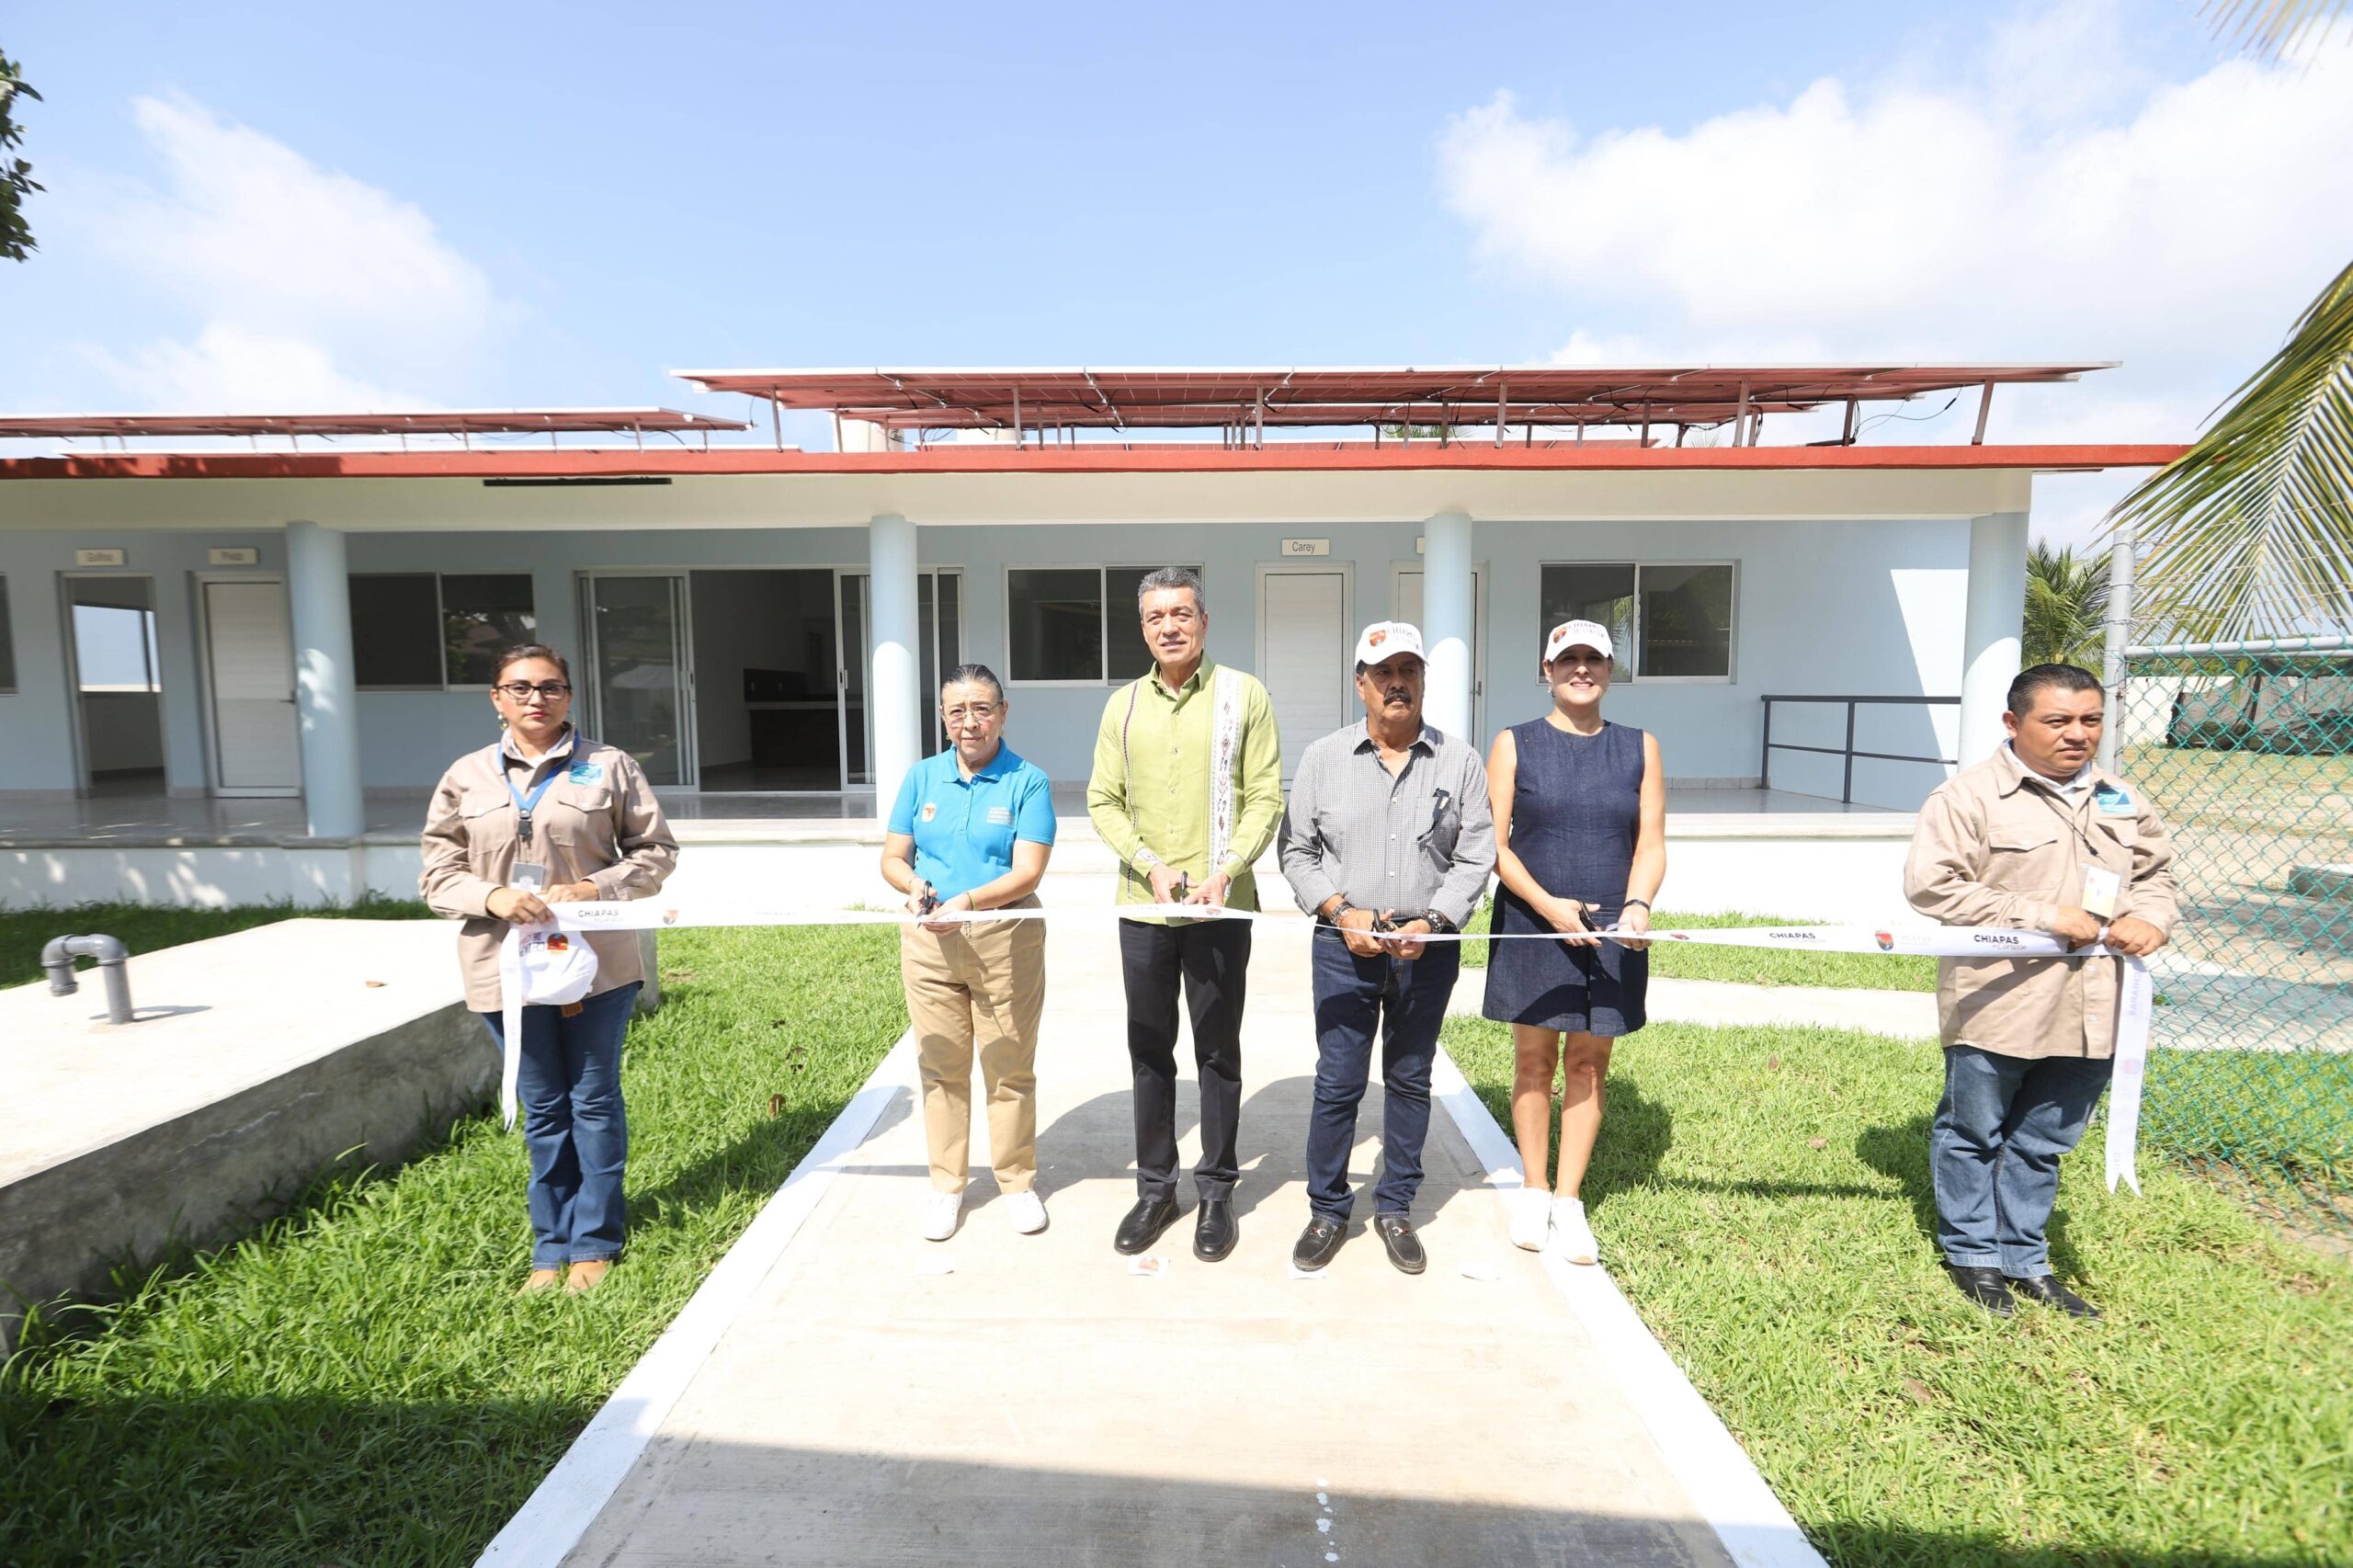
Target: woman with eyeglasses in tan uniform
545, 815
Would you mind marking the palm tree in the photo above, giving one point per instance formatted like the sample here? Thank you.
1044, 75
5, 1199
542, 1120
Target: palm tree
2066, 600
2250, 532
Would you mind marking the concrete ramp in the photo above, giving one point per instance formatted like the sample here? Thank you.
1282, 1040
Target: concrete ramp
1021, 1401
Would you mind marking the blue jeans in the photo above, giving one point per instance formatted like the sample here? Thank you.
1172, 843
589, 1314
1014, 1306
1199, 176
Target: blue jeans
1407, 1001
570, 1086
1993, 1152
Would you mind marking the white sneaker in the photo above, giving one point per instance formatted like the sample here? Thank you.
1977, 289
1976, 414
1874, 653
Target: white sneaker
1532, 1218
940, 1213
1571, 1237
1027, 1211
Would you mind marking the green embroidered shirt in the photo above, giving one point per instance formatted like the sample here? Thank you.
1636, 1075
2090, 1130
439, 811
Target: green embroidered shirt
1149, 798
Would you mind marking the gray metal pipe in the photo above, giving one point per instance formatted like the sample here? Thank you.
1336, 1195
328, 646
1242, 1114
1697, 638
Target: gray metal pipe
57, 961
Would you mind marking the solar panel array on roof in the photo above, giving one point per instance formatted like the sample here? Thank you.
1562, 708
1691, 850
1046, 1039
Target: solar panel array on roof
1454, 396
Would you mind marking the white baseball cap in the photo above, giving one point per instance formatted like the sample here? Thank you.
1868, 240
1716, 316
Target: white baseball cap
1569, 633
1386, 640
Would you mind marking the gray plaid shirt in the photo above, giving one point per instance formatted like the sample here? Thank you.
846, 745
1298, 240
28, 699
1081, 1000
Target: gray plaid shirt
1421, 840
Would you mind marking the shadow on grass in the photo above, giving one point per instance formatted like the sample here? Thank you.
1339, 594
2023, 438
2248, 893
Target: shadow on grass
274, 1481
1903, 1152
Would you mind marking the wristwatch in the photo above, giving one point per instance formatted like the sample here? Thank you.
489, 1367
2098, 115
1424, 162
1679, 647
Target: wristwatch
1439, 923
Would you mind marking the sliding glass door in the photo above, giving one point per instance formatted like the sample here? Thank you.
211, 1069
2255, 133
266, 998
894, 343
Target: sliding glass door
639, 680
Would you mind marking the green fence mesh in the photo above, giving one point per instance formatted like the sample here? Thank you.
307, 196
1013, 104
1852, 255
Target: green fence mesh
2249, 755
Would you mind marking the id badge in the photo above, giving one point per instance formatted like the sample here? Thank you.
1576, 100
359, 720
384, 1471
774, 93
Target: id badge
527, 876
2100, 888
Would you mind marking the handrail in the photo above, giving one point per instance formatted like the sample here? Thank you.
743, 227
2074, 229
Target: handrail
1846, 793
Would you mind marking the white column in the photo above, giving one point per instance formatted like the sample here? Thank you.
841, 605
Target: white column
1990, 632
318, 593
1447, 609
896, 694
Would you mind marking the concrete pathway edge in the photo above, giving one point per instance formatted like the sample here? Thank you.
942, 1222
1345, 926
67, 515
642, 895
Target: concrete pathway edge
1717, 1472
552, 1521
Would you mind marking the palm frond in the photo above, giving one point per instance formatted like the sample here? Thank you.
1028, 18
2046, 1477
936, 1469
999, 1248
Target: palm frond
2066, 605
2254, 523
2271, 29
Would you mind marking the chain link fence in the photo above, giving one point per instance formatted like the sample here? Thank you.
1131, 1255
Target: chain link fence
2246, 748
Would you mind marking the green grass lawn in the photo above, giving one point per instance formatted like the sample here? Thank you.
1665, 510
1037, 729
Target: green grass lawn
360, 1383
144, 929
1763, 1197
1758, 966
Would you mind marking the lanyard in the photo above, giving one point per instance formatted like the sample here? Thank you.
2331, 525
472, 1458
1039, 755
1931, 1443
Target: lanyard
523, 803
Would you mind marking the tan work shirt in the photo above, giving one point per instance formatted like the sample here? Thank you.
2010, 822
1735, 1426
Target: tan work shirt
1999, 846
599, 820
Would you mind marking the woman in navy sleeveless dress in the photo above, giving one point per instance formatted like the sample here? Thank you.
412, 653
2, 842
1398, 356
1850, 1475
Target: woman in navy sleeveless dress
1580, 808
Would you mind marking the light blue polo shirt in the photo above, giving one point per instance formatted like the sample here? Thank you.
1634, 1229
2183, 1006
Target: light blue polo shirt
964, 828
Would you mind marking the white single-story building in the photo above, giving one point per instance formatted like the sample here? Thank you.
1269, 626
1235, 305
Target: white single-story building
767, 625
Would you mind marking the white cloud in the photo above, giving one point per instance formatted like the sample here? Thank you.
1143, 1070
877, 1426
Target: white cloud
232, 368
311, 289
2044, 196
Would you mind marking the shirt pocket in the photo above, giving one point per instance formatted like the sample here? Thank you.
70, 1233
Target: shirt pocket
1442, 828
578, 816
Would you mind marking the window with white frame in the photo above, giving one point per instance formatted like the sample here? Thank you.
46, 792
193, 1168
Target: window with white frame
436, 630
1670, 620
7, 644
1073, 625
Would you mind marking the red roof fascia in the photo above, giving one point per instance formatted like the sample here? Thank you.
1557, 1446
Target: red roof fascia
1082, 458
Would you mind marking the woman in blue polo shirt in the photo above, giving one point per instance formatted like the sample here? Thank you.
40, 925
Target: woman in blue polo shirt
972, 830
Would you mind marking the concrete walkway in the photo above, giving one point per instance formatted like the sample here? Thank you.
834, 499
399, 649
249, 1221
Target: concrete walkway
1040, 1403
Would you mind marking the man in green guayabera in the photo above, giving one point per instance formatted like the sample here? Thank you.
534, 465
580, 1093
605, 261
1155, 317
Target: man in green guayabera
1187, 791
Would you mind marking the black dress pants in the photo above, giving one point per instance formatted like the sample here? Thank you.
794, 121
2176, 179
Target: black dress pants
1213, 958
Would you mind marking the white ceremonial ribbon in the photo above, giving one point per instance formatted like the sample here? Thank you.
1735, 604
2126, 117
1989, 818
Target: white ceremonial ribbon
2135, 1005
510, 998
2134, 1000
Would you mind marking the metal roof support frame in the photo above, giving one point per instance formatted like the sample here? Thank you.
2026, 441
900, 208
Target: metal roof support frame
1985, 407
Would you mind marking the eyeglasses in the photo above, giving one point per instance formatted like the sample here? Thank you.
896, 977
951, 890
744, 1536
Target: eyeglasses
978, 713
521, 691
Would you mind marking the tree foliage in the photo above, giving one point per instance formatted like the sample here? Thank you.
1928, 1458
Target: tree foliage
2066, 601
15, 175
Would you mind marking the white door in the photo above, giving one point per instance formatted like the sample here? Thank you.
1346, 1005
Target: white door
249, 677
1406, 598
1303, 648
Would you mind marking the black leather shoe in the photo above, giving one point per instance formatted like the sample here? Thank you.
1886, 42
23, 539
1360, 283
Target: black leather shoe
1984, 1287
1215, 1231
2046, 1288
1144, 1224
1404, 1246
1317, 1244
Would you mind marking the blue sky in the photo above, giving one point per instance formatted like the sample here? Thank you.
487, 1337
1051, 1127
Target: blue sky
326, 206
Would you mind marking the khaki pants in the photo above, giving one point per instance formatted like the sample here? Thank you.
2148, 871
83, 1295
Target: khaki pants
982, 987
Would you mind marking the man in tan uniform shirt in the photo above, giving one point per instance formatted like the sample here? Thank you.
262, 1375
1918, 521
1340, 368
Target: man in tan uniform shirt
2037, 837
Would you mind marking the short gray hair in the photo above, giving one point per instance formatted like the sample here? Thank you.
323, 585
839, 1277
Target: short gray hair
1172, 577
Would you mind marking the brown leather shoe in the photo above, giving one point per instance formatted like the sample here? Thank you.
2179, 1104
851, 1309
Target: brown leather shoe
587, 1275
539, 1279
